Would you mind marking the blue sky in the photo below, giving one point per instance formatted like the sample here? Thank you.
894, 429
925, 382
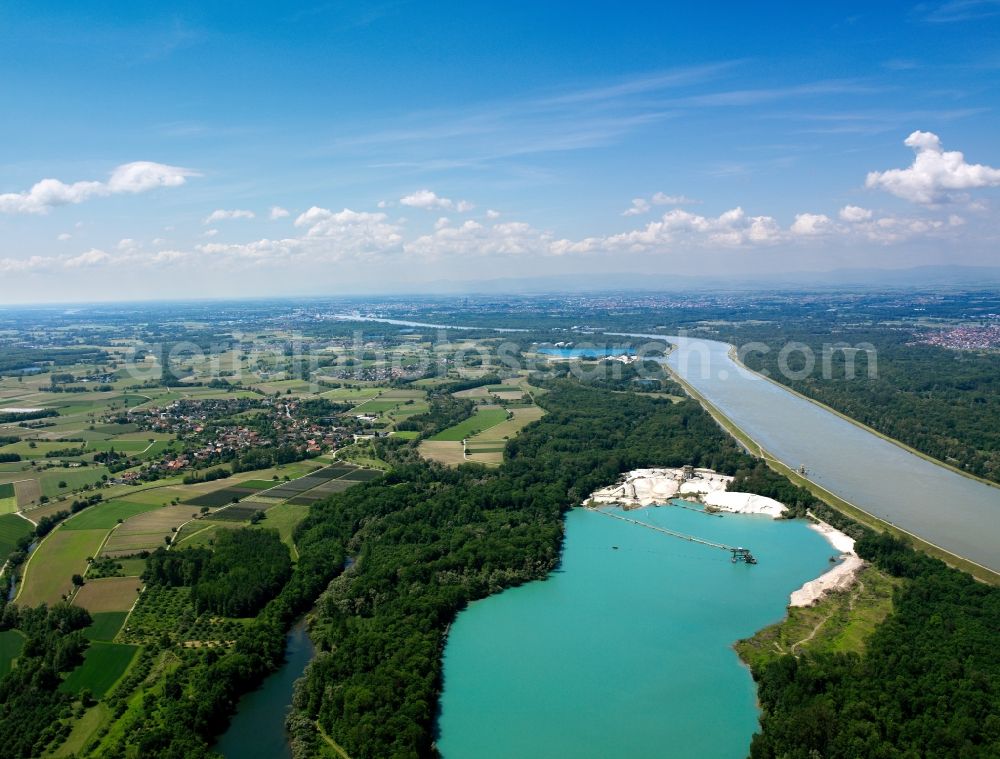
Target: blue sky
254, 148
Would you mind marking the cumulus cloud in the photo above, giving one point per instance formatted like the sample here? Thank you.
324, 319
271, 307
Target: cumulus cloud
222, 214
936, 175
811, 224
328, 236
356, 231
854, 214
23, 265
277, 212
429, 200
491, 214
732, 228
129, 178
474, 239
92, 257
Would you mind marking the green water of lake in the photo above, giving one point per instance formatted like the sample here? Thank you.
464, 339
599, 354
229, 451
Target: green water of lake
624, 652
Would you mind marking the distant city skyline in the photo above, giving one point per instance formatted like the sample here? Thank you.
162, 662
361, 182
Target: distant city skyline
198, 152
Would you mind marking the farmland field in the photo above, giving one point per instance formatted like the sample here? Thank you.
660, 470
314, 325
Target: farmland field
49, 569
105, 515
146, 532
28, 493
106, 625
447, 452
122, 446
201, 533
487, 447
483, 419
8, 499
103, 664
12, 529
74, 478
108, 594
362, 475
223, 496
241, 512
285, 518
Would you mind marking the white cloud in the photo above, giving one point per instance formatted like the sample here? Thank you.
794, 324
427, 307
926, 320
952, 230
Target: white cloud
441, 223
491, 214
854, 214
732, 228
356, 231
223, 214
641, 205
429, 200
659, 199
277, 212
474, 239
91, 258
129, 178
210, 232
127, 243
811, 224
64, 236
21, 265
935, 176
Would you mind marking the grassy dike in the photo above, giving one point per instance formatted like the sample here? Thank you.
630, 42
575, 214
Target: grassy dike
850, 510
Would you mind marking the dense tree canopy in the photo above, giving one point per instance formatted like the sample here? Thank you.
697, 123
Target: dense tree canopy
928, 683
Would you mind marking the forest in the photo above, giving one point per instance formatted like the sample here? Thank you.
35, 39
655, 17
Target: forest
244, 570
927, 684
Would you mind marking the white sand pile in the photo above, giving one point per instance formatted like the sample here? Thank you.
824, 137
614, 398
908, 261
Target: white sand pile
744, 503
645, 487
841, 577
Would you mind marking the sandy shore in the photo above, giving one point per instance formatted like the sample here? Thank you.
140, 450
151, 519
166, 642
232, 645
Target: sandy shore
840, 577
646, 487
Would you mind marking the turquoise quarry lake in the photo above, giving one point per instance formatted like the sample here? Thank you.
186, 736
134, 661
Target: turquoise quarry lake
624, 652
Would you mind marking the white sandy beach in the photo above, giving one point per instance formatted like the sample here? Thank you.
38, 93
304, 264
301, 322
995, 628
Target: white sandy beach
840, 577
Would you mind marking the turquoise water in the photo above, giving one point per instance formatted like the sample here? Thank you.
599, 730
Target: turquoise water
624, 652
257, 730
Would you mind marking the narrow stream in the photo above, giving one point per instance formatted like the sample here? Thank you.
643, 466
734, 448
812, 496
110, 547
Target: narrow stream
257, 730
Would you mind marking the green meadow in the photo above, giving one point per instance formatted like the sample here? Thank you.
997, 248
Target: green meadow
103, 665
481, 420
104, 516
